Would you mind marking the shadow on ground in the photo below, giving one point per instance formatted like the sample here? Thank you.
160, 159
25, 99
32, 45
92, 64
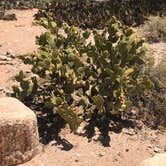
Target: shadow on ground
105, 125
50, 126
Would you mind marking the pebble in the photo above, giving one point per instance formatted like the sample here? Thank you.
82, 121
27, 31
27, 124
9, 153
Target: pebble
96, 138
157, 150
101, 154
128, 132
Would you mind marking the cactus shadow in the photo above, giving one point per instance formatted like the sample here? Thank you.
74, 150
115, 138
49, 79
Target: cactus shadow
106, 125
49, 126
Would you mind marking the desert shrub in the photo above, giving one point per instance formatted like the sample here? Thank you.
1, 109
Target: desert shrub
78, 78
154, 30
93, 13
18, 4
155, 100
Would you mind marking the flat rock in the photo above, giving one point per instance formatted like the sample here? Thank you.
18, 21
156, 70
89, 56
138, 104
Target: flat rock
157, 160
19, 139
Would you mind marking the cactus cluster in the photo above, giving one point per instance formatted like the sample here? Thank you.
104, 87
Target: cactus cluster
77, 73
95, 14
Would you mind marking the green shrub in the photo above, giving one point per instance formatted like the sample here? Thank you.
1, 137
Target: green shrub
154, 30
95, 14
77, 78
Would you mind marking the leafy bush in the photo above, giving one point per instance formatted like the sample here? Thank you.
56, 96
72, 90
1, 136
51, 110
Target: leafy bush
154, 29
95, 14
77, 77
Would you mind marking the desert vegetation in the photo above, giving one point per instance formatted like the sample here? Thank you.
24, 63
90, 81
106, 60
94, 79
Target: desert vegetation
94, 66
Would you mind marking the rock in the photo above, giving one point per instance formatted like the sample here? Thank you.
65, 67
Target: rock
5, 58
96, 138
101, 154
157, 160
19, 140
157, 150
128, 131
81, 129
150, 146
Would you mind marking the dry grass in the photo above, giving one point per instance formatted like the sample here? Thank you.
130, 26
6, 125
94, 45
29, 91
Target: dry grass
154, 30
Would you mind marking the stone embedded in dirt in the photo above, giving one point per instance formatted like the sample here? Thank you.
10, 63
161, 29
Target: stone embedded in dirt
150, 146
157, 150
128, 131
157, 160
101, 154
95, 138
81, 129
19, 140
5, 58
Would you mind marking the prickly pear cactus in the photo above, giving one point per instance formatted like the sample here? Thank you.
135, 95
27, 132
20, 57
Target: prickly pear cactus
77, 77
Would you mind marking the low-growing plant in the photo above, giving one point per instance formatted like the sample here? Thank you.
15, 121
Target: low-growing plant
77, 78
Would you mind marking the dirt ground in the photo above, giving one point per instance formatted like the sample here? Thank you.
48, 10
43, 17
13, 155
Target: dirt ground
128, 147
16, 38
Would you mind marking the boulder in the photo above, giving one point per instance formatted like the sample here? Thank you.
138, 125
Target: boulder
19, 139
157, 160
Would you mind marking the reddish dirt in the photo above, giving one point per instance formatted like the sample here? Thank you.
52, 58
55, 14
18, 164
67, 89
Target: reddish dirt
17, 38
124, 150
127, 148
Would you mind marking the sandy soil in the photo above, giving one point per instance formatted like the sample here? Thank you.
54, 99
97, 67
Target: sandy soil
16, 38
125, 150
128, 147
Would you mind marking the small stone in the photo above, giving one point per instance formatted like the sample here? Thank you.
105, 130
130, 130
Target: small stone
157, 150
81, 129
96, 138
77, 157
53, 143
1, 88
128, 132
5, 58
76, 160
149, 146
101, 154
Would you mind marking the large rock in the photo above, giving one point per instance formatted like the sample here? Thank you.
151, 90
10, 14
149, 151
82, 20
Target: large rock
157, 160
19, 140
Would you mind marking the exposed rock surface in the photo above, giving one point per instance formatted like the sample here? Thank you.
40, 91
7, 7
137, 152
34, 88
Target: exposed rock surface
19, 140
157, 160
